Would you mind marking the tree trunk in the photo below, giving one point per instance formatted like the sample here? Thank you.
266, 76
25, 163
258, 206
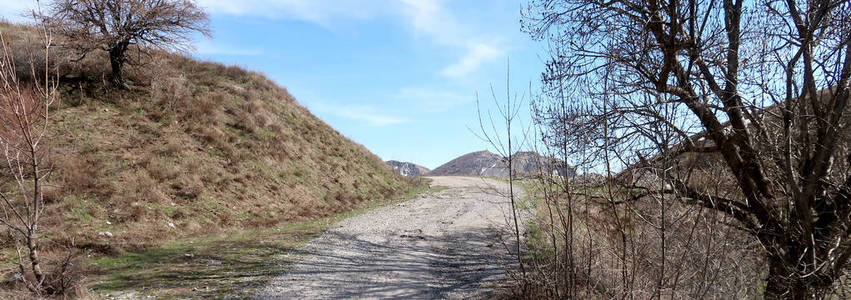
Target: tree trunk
785, 284
35, 262
116, 61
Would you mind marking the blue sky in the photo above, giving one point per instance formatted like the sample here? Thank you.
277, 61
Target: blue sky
398, 76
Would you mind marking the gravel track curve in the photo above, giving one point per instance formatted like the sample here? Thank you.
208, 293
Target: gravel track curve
450, 244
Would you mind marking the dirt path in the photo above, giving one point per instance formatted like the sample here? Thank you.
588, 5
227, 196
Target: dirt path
444, 245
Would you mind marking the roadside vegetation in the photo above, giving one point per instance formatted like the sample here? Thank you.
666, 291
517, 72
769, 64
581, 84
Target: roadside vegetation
713, 142
217, 265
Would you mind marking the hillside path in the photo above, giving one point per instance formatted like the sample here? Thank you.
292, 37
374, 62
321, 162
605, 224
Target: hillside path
443, 245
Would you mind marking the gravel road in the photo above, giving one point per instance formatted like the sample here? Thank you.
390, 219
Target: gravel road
444, 245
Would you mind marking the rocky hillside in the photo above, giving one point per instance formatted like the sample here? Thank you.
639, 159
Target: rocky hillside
407, 169
480, 163
485, 163
191, 148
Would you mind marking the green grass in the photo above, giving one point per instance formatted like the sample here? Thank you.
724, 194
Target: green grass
218, 265
211, 266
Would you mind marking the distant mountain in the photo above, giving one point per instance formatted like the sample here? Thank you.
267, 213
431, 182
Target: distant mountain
481, 163
485, 163
407, 169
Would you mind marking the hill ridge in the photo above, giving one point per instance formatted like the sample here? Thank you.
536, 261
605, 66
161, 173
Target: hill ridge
191, 148
486, 163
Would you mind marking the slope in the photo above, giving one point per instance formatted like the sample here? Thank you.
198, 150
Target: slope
192, 148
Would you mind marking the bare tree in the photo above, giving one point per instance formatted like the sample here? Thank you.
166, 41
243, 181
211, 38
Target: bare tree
115, 25
761, 87
24, 124
507, 144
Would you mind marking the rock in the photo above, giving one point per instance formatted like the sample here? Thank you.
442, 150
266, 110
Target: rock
407, 169
214, 263
105, 233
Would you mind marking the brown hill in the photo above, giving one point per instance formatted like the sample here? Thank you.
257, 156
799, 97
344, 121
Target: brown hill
192, 148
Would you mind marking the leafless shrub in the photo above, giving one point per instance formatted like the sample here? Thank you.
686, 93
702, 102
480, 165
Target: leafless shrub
712, 122
169, 91
507, 137
75, 176
24, 128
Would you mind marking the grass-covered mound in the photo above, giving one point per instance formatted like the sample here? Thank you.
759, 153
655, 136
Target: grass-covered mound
192, 148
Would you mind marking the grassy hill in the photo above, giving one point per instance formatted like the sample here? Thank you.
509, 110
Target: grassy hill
192, 148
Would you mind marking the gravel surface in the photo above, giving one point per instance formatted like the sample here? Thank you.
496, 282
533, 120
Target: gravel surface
449, 244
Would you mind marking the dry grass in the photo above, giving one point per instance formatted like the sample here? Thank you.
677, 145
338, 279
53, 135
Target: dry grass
693, 256
214, 266
192, 149
625, 250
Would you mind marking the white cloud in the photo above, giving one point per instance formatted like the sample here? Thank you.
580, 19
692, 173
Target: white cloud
476, 55
431, 100
207, 47
321, 12
429, 18
365, 113
370, 117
